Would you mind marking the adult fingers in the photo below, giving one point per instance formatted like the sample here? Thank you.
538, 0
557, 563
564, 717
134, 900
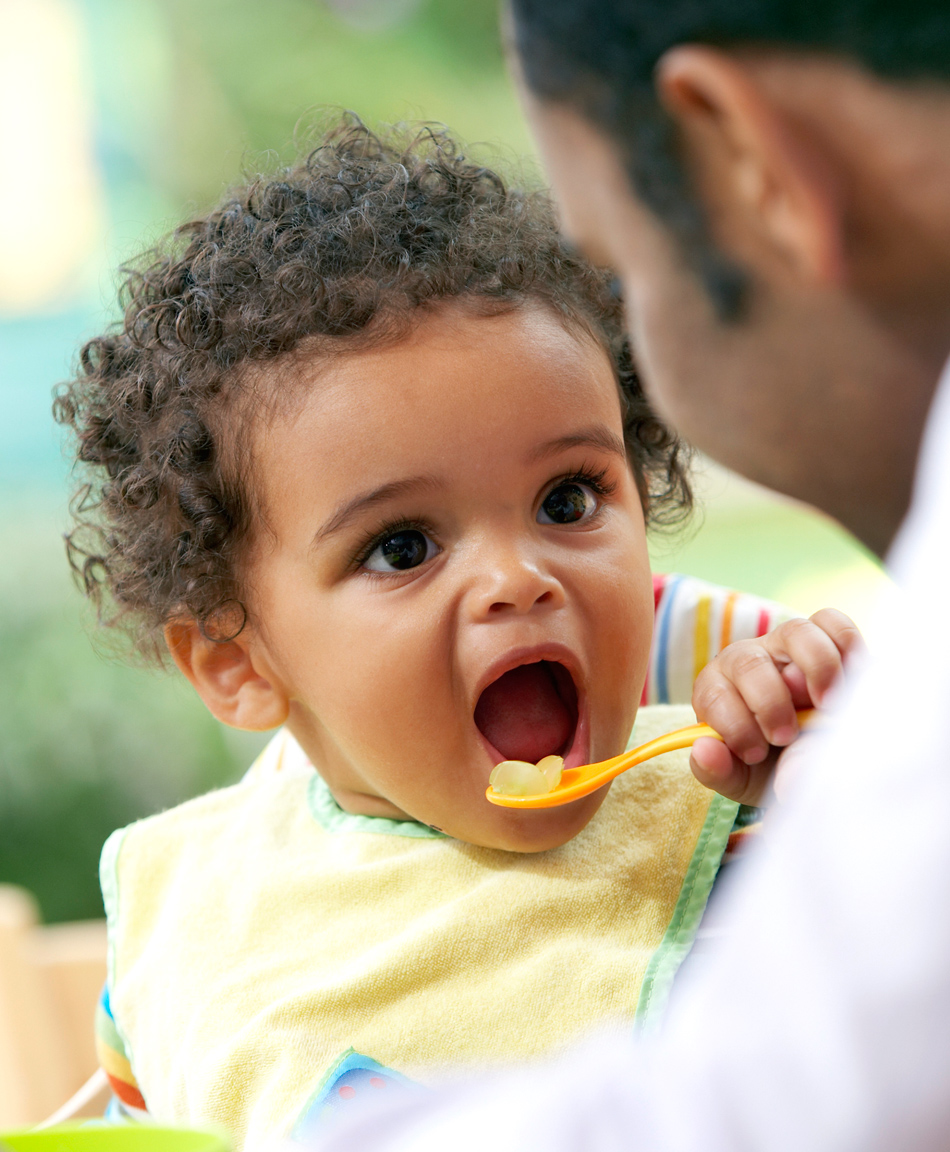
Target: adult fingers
812, 650
715, 767
789, 767
753, 673
840, 628
717, 703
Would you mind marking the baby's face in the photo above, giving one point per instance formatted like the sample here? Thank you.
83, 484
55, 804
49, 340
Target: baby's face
456, 570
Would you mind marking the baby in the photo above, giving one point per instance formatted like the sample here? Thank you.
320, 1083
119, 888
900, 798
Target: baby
369, 456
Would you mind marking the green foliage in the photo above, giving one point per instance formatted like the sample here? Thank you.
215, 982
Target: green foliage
87, 744
189, 94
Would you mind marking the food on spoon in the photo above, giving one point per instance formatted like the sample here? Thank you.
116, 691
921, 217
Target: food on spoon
552, 767
522, 778
518, 778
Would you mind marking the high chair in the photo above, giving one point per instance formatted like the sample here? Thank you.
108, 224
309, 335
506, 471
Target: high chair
50, 980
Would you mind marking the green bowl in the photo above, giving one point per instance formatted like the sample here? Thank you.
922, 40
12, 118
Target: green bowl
118, 1138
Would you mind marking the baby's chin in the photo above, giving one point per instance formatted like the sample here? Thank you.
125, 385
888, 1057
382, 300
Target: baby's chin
531, 831
460, 809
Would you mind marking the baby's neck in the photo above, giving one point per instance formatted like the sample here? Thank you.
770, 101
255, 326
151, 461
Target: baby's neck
364, 804
345, 785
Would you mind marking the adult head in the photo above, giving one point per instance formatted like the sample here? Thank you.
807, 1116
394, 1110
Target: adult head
771, 181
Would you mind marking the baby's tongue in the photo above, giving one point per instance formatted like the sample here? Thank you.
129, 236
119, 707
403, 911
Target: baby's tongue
523, 715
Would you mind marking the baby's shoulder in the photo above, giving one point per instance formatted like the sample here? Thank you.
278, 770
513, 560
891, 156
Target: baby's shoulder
220, 829
250, 799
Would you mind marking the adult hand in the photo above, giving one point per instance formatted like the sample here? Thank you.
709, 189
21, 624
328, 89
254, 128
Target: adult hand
750, 693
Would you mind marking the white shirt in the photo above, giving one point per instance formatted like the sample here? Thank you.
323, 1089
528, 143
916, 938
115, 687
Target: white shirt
822, 1021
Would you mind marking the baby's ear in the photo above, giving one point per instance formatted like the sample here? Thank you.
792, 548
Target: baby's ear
225, 676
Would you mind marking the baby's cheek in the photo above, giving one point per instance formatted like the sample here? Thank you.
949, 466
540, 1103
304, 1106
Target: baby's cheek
625, 640
399, 699
626, 610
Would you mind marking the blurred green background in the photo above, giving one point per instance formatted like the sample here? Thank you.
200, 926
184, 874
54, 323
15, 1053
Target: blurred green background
117, 119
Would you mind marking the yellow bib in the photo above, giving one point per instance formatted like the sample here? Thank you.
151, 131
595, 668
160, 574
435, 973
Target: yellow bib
273, 958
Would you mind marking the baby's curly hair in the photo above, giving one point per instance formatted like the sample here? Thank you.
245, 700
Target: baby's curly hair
338, 250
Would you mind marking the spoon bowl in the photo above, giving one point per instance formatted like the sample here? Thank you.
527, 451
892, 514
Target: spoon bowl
578, 782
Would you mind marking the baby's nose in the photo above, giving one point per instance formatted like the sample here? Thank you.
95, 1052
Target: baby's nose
514, 583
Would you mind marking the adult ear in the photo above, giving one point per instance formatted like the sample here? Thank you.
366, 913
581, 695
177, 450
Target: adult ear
226, 676
758, 167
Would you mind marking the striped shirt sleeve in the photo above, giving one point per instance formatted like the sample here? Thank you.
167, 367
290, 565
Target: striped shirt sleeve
127, 1104
694, 621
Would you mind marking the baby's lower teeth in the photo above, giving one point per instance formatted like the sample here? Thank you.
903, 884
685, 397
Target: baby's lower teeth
521, 778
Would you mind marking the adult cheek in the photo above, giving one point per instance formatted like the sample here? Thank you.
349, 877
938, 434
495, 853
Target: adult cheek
676, 342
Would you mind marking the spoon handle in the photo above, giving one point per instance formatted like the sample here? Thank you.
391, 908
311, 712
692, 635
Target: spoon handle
577, 782
670, 742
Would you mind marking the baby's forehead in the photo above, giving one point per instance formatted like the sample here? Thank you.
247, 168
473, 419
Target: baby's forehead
454, 393
455, 355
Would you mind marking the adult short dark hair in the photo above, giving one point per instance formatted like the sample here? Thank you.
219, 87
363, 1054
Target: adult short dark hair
599, 56
339, 250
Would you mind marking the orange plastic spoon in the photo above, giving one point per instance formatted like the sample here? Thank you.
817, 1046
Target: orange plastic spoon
577, 782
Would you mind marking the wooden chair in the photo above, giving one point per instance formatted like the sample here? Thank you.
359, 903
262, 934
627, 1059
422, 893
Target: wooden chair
50, 980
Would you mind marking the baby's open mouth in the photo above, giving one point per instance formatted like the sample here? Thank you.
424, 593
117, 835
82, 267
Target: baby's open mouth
529, 712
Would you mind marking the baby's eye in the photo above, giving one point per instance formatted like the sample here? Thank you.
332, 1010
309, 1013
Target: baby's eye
567, 503
407, 548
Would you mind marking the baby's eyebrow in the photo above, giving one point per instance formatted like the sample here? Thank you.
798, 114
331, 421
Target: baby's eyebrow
358, 504
596, 436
